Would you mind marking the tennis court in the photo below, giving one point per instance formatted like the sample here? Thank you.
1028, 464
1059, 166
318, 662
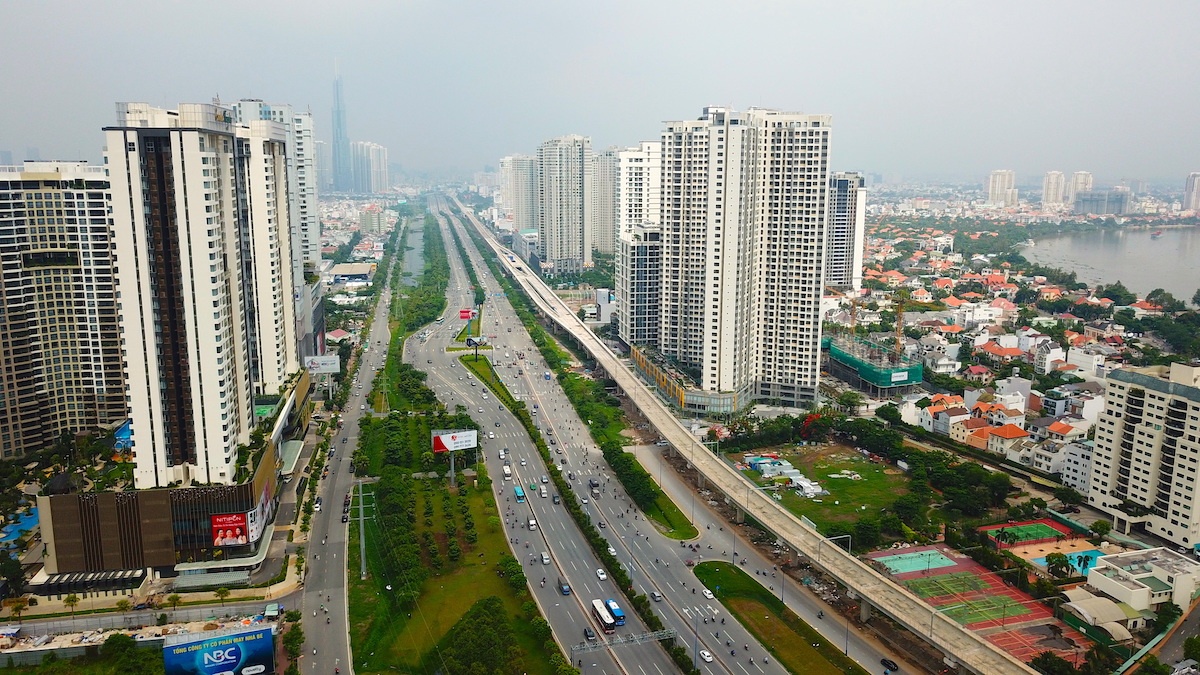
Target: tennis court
946, 584
980, 608
1030, 532
915, 561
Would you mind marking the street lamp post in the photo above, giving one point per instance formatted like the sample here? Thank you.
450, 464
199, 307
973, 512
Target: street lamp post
849, 547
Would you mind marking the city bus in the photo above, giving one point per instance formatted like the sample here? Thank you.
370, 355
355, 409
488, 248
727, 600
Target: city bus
508, 473
615, 610
600, 613
520, 494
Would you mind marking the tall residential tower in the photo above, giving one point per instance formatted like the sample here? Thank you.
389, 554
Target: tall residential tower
60, 351
343, 170
565, 205
1054, 187
845, 237
200, 219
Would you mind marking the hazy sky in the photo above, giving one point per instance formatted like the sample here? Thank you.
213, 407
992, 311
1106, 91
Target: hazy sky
917, 89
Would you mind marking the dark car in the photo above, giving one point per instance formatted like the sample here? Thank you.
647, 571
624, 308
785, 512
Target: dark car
589, 633
564, 587
889, 664
345, 518
497, 424
557, 499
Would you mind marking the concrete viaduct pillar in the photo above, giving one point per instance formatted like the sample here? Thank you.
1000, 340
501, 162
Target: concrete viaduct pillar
864, 610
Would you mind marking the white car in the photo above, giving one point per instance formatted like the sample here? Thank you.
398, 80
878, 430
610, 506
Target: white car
706, 655
601, 575
612, 551
491, 434
707, 593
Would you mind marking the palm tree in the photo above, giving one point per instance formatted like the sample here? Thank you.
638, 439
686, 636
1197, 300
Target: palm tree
123, 606
1003, 536
173, 600
18, 607
221, 594
69, 602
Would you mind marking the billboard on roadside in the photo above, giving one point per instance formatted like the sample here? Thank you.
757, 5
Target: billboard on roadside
445, 441
324, 365
244, 652
229, 529
466, 314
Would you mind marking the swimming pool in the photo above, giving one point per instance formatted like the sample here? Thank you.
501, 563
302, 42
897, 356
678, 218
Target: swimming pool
25, 521
1082, 561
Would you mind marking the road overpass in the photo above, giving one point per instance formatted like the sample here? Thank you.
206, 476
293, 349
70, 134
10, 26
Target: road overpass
965, 647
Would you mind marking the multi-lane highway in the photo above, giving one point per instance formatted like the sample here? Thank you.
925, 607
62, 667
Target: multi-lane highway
966, 647
656, 563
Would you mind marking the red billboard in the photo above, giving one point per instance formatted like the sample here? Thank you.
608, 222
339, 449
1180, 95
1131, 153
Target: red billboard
229, 529
466, 314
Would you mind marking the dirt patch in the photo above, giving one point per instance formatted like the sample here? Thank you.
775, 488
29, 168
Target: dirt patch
639, 429
893, 472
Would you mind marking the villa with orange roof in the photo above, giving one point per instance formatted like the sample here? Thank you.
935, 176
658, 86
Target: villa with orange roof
1004, 437
961, 430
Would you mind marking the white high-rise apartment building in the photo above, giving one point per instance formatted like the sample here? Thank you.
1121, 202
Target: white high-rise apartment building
565, 205
60, 350
1191, 192
744, 213
605, 189
519, 191
369, 163
1081, 181
638, 277
1002, 188
845, 238
1147, 450
639, 185
1054, 187
200, 219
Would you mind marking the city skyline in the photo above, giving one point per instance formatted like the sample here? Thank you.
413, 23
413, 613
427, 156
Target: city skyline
898, 69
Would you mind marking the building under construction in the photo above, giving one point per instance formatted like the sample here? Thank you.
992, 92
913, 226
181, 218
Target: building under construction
879, 371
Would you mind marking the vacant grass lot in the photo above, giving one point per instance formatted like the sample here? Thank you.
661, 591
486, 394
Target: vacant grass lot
879, 487
789, 639
386, 640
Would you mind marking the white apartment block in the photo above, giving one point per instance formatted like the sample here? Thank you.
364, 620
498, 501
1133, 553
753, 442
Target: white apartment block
1002, 188
200, 222
1054, 187
639, 192
564, 205
845, 237
1076, 469
1147, 453
1081, 181
60, 349
638, 277
519, 192
744, 212
369, 164
604, 201
1191, 192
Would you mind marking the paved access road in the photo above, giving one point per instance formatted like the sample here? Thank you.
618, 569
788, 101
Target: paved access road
969, 648
324, 596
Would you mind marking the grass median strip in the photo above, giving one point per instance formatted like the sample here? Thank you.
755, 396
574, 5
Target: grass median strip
788, 638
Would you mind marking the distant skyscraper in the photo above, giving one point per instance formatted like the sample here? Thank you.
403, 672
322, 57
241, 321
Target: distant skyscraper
845, 236
519, 191
324, 168
639, 189
1002, 188
343, 171
1081, 181
564, 204
1191, 192
60, 350
370, 164
743, 261
604, 202
1053, 189
200, 207
1114, 202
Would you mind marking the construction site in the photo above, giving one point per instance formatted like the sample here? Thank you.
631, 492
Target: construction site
877, 370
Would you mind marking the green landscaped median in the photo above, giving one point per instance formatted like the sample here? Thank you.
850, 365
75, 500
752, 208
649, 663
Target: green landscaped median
784, 634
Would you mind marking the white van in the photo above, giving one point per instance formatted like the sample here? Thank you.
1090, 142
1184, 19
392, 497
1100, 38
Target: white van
544, 493
532, 525
508, 473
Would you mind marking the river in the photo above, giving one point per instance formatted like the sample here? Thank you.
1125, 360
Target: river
1133, 257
